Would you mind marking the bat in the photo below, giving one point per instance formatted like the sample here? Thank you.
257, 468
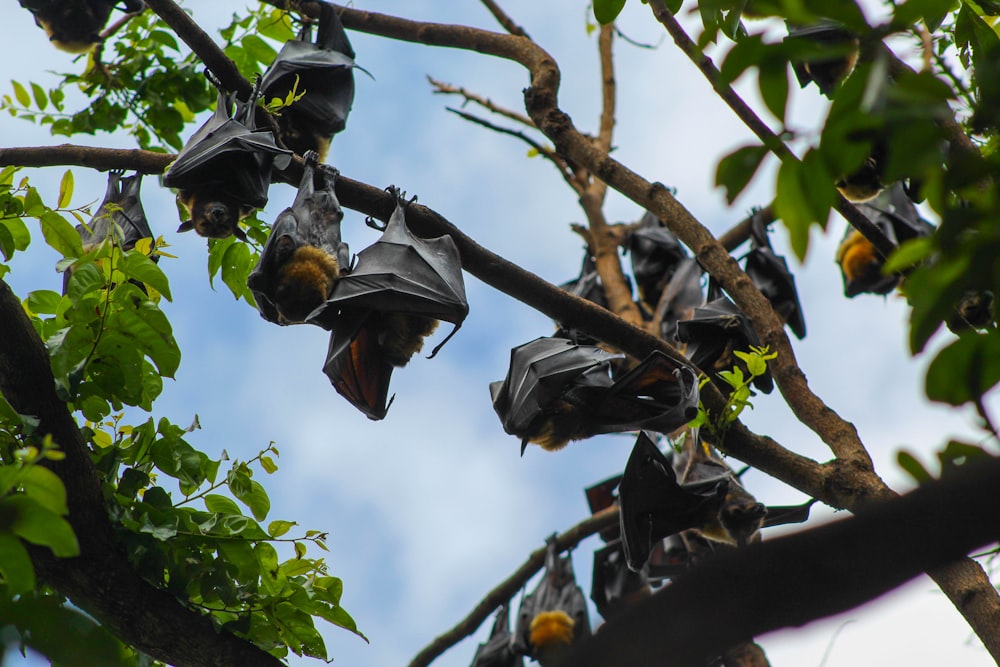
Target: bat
680, 297
556, 391
74, 26
860, 263
554, 616
497, 651
677, 553
655, 253
120, 215
381, 311
865, 182
224, 170
323, 73
712, 334
615, 587
769, 272
975, 310
586, 286
836, 53
304, 254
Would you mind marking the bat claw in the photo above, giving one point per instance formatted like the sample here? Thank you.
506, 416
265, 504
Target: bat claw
374, 224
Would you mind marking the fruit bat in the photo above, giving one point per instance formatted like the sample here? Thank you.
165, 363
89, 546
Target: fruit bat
304, 255
224, 170
323, 73
554, 616
682, 295
656, 254
693, 494
120, 214
497, 651
713, 333
860, 263
837, 54
865, 182
615, 587
381, 311
556, 391
75, 25
586, 286
769, 272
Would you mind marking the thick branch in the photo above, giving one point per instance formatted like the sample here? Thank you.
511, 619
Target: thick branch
506, 589
101, 581
774, 584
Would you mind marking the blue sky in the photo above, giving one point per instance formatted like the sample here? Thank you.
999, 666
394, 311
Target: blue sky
430, 508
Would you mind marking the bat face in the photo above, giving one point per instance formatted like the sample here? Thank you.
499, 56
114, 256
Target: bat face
74, 26
224, 170
656, 254
302, 258
497, 651
554, 616
770, 274
714, 332
323, 73
826, 71
556, 391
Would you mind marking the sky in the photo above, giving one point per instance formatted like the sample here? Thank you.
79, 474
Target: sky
427, 510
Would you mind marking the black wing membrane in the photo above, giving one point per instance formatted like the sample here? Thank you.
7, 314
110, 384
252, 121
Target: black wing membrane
682, 294
356, 364
553, 616
615, 586
770, 274
498, 651
226, 164
713, 333
827, 55
655, 253
120, 214
304, 255
322, 72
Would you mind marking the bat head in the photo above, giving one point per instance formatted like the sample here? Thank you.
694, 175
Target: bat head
73, 27
213, 215
741, 516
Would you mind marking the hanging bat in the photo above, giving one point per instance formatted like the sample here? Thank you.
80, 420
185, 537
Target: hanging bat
615, 587
712, 334
556, 391
120, 216
323, 73
74, 26
867, 181
681, 296
837, 53
860, 263
224, 170
391, 300
656, 254
304, 255
497, 651
678, 553
769, 272
554, 616
586, 286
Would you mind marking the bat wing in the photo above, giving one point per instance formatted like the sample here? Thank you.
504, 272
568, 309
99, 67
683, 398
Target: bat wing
403, 273
325, 81
601, 496
681, 296
770, 274
541, 371
785, 514
355, 366
655, 254
903, 216
497, 651
658, 395
677, 553
654, 504
614, 585
227, 157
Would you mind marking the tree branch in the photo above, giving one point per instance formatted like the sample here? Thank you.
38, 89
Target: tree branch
443, 88
101, 580
504, 20
507, 588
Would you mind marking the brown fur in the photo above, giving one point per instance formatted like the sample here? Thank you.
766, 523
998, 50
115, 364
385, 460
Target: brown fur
304, 282
213, 216
402, 335
862, 267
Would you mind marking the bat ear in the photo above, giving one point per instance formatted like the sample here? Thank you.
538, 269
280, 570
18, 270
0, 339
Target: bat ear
185, 226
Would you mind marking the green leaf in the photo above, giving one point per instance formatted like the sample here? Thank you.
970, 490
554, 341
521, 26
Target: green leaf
773, 84
18, 232
910, 464
270, 575
60, 234
279, 527
44, 487
21, 94
236, 268
268, 464
66, 189
15, 565
43, 302
139, 266
37, 524
736, 169
966, 369
606, 11
221, 504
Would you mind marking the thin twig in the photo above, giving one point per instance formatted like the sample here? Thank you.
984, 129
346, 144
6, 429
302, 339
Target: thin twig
507, 588
504, 20
488, 104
